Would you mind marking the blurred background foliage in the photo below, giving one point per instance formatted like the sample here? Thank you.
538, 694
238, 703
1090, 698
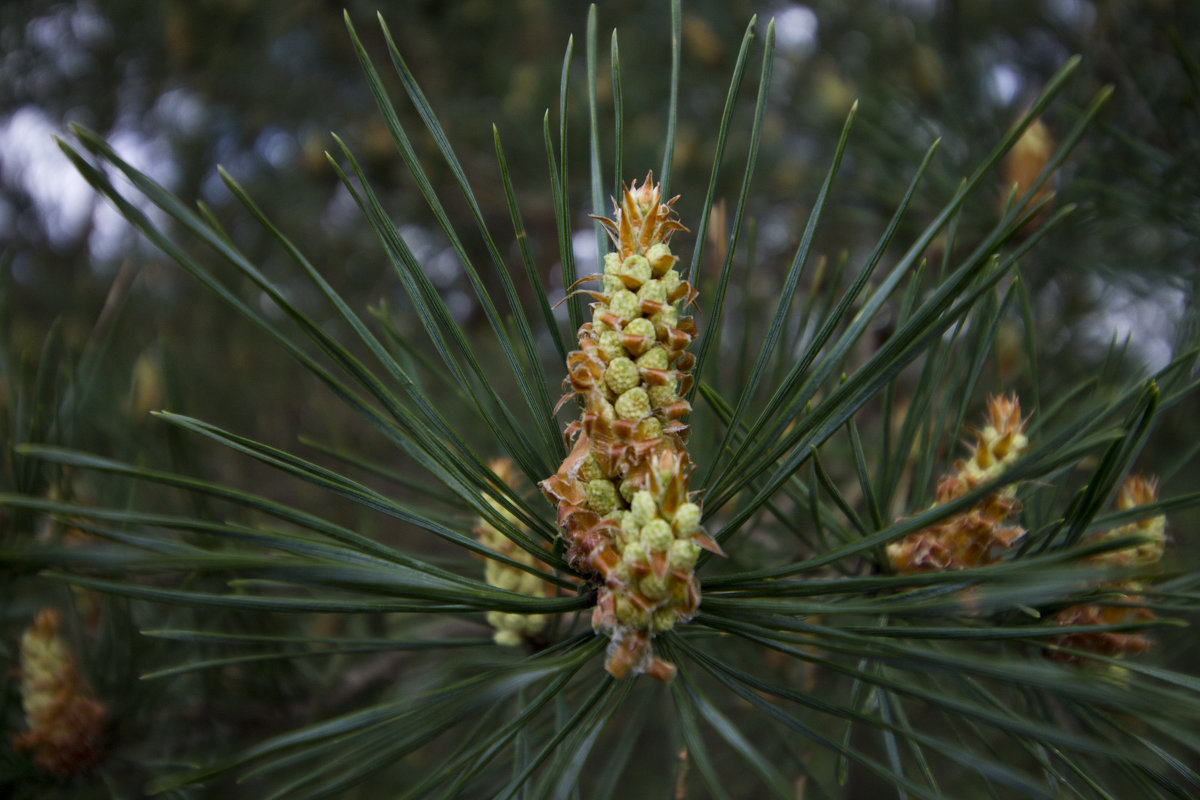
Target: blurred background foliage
255, 86
180, 86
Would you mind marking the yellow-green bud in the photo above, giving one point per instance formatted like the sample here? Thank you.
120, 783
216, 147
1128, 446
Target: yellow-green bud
650, 427
621, 375
630, 614
657, 535
669, 316
663, 619
624, 304
612, 263
687, 520
601, 496
660, 258
612, 284
589, 469
662, 395
635, 555
610, 345
670, 280
636, 267
683, 554
633, 404
653, 290
641, 327
643, 508
627, 489
629, 528
653, 588
654, 358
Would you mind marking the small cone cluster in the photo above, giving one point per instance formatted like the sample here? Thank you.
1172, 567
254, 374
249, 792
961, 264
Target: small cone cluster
511, 629
622, 492
1135, 491
66, 724
977, 535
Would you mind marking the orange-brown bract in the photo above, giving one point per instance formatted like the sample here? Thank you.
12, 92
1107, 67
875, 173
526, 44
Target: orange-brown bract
622, 491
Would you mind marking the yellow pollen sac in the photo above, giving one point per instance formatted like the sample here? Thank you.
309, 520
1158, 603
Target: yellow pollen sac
657, 535
621, 375
660, 258
641, 327
624, 304
668, 316
663, 619
670, 280
637, 268
610, 345
654, 358
653, 290
601, 496
687, 520
643, 507
649, 428
683, 554
633, 404
590, 470
662, 395
654, 588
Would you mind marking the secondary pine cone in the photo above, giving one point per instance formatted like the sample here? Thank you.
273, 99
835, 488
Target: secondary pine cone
66, 724
622, 492
511, 629
973, 537
1135, 491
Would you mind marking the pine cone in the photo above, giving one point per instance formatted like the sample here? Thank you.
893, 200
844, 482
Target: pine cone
1135, 491
511, 629
622, 492
65, 724
977, 535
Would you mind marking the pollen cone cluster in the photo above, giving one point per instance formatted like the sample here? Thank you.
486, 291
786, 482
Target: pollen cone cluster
977, 535
1135, 491
65, 723
622, 492
511, 629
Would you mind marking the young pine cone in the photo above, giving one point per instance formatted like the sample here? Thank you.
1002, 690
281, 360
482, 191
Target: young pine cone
65, 724
1135, 491
622, 492
511, 629
975, 536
